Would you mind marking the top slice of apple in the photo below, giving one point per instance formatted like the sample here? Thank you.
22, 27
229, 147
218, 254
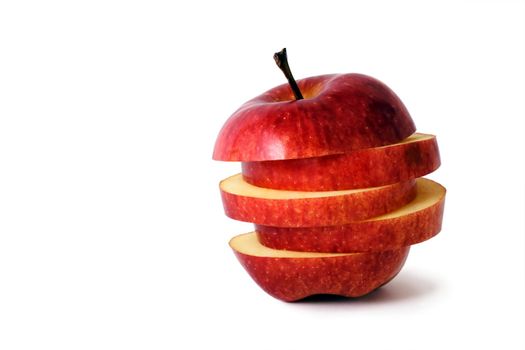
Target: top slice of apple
339, 113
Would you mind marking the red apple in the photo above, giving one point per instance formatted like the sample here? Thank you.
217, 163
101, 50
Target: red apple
291, 276
416, 222
339, 113
246, 202
329, 168
415, 156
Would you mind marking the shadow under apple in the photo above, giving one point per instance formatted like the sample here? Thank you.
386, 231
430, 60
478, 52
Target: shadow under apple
403, 287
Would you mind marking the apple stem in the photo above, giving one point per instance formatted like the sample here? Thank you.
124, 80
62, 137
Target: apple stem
282, 62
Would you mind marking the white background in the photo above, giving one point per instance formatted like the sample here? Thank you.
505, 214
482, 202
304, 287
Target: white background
112, 234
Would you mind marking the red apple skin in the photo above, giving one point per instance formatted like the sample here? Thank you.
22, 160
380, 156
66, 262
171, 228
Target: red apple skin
320, 211
340, 113
369, 167
354, 275
362, 236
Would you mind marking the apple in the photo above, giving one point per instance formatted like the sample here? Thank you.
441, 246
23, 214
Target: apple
413, 223
339, 113
291, 276
415, 156
245, 202
329, 169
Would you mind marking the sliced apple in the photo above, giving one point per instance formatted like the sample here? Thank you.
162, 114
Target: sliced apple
290, 276
416, 156
245, 202
413, 223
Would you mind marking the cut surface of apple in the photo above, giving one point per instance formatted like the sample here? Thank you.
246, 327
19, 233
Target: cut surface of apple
413, 223
291, 276
245, 202
415, 156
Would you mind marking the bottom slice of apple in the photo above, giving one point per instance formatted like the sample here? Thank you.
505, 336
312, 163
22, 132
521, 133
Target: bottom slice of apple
291, 276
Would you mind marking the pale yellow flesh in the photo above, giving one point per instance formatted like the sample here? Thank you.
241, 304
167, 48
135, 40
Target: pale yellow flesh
428, 194
236, 185
412, 138
248, 244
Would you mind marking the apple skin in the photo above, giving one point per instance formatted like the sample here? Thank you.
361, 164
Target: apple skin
353, 275
378, 234
369, 167
318, 211
340, 113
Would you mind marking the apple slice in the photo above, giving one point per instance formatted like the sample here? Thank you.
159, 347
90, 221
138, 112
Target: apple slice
290, 276
245, 202
414, 223
416, 156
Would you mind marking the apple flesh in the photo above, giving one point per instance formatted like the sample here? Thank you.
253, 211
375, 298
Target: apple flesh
291, 276
413, 223
339, 113
245, 202
415, 156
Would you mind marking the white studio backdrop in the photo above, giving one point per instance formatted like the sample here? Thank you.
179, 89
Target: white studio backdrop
112, 234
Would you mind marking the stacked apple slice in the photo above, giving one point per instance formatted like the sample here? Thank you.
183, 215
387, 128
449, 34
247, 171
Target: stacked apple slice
332, 184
